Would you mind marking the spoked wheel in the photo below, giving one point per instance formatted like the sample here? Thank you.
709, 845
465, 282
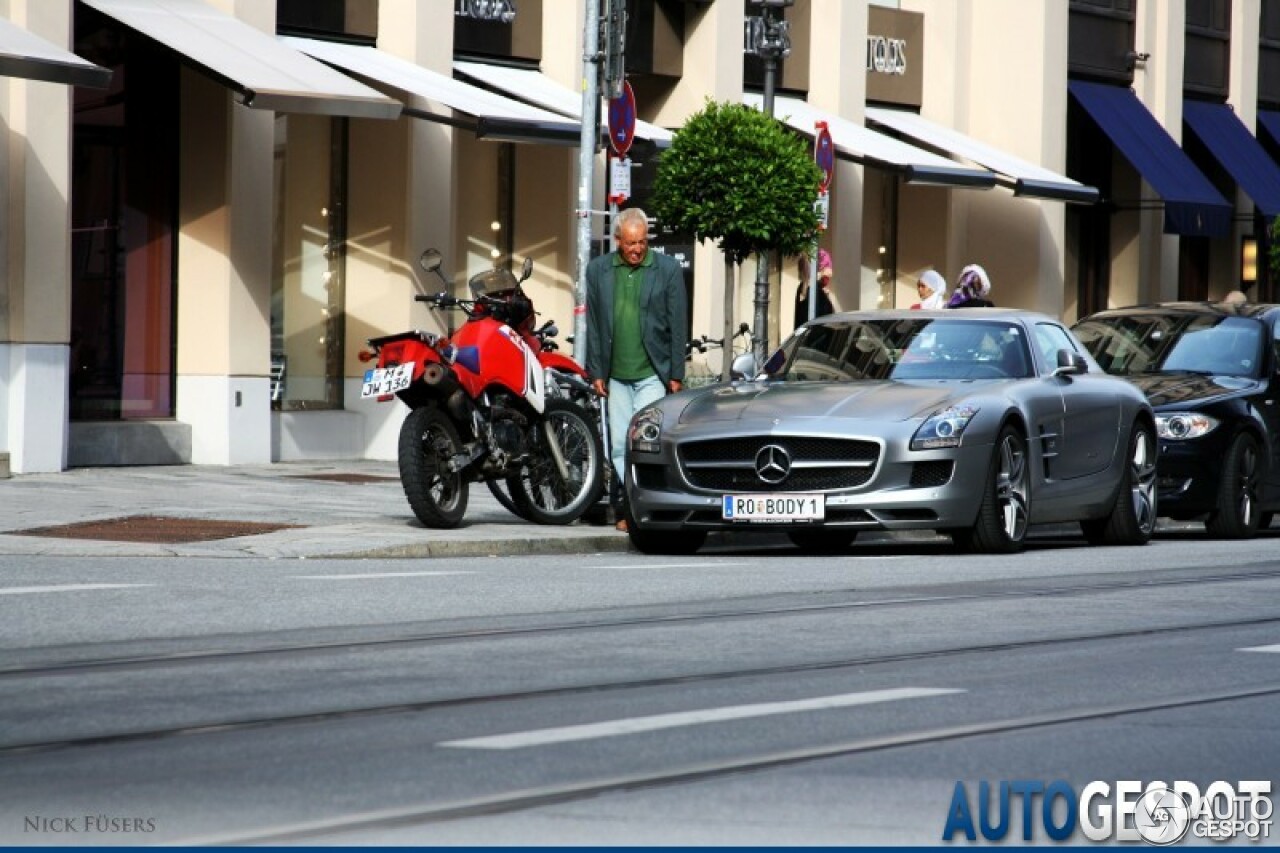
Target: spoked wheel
1239, 514
498, 489
565, 471
428, 443
1003, 516
1132, 519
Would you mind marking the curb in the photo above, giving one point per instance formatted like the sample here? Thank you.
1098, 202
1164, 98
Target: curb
614, 543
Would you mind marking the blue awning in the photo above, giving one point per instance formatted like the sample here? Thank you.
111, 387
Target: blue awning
1192, 206
1232, 145
1270, 120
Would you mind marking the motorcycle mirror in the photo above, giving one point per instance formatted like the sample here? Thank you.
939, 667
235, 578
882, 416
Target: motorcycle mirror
744, 367
430, 260
550, 329
527, 269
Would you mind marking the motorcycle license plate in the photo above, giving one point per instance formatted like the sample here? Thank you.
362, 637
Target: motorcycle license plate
776, 509
386, 380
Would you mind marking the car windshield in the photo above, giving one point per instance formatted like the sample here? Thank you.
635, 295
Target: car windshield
1129, 344
902, 349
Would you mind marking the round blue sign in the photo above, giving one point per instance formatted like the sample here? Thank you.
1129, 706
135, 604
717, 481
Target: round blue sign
622, 120
824, 154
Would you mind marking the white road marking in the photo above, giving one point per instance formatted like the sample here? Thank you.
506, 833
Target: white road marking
68, 587
1275, 648
634, 566
632, 725
374, 575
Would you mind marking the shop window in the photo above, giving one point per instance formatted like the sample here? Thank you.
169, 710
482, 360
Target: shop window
309, 263
1100, 40
1207, 61
1269, 57
358, 18
123, 214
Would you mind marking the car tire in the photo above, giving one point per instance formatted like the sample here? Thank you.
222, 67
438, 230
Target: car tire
1238, 514
668, 542
822, 541
1132, 519
1001, 527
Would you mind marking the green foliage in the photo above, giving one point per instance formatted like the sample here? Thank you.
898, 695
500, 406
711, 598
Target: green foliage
738, 177
1275, 251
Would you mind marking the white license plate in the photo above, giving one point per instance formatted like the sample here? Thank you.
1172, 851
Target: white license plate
386, 380
774, 508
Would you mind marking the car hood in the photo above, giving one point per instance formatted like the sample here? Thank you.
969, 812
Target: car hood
1178, 388
884, 401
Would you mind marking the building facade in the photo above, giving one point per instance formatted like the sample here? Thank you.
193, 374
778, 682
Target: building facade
209, 205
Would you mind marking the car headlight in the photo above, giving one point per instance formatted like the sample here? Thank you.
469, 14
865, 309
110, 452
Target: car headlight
645, 431
943, 429
1179, 425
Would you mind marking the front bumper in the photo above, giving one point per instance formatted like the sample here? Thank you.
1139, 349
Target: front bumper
906, 490
1188, 474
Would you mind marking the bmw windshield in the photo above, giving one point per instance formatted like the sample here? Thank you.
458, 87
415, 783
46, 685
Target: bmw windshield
902, 349
1131, 344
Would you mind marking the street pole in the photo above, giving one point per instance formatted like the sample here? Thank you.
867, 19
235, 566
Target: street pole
773, 43
587, 140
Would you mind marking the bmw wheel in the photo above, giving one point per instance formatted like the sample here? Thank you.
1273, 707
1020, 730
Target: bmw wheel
1238, 514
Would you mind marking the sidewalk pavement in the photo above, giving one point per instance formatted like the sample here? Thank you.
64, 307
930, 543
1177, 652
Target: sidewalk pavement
353, 509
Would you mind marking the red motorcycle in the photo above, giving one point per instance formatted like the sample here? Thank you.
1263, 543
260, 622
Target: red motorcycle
480, 409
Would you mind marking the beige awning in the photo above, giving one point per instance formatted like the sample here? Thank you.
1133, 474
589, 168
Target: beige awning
1025, 179
24, 54
263, 72
441, 98
863, 145
533, 86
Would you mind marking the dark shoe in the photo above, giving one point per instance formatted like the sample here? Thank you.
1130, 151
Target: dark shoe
621, 526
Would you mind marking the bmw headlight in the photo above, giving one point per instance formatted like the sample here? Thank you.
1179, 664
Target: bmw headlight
645, 431
1179, 425
943, 429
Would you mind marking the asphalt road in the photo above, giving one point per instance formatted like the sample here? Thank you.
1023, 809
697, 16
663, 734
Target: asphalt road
744, 696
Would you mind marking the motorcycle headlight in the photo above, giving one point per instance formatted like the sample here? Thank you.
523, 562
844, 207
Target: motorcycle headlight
943, 429
1180, 425
646, 431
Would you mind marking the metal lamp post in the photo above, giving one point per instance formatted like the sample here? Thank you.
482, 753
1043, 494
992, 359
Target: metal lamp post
770, 42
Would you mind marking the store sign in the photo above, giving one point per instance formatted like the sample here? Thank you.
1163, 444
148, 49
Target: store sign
895, 56
499, 11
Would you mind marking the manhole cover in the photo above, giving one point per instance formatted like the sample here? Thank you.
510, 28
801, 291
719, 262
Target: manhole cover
348, 478
155, 528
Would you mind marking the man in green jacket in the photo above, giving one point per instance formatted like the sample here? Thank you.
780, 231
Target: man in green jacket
637, 332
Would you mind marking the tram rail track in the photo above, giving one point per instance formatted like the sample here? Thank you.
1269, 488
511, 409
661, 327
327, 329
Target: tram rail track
216, 656
426, 705
537, 797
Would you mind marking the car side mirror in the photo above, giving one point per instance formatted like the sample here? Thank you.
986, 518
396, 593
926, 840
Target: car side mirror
1070, 363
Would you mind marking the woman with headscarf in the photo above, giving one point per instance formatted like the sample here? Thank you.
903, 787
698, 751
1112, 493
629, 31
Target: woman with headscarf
825, 305
971, 289
932, 288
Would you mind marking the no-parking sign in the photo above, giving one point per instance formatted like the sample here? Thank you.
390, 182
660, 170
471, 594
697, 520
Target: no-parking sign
824, 154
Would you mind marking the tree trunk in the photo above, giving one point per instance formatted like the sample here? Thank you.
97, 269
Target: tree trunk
730, 291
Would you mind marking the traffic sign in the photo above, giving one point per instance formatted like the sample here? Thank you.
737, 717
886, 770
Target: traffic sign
824, 154
622, 120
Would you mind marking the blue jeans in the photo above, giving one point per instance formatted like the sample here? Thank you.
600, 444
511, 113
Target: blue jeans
625, 399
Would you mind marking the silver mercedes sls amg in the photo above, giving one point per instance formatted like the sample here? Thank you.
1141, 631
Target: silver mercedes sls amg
976, 423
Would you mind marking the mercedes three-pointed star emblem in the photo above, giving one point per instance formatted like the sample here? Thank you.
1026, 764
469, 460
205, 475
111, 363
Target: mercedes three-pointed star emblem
773, 464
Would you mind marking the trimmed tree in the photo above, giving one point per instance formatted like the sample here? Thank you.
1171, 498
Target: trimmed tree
737, 177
